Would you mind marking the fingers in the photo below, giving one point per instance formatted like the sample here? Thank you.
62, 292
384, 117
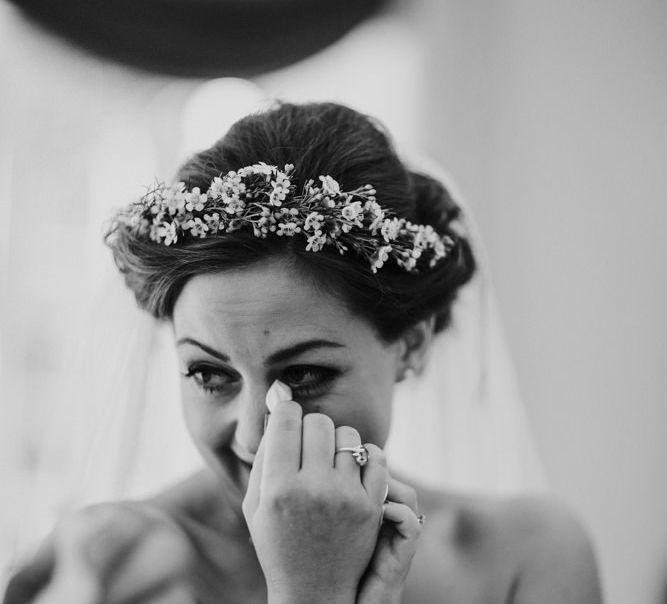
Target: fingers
251, 499
319, 442
374, 474
311, 443
346, 436
402, 493
405, 522
283, 440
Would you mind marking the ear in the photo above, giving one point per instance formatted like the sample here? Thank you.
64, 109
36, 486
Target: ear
415, 343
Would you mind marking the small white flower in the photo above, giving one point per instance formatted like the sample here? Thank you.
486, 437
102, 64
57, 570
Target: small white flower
197, 227
277, 196
313, 221
373, 208
353, 211
234, 206
255, 198
330, 186
380, 256
440, 249
281, 187
132, 220
213, 221
281, 179
408, 264
425, 236
391, 228
261, 169
173, 200
288, 229
217, 188
316, 242
167, 231
376, 224
195, 200
137, 223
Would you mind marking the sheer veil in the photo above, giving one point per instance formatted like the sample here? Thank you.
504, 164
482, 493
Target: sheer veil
459, 424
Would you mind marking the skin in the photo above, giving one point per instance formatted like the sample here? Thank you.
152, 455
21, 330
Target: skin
264, 311
249, 532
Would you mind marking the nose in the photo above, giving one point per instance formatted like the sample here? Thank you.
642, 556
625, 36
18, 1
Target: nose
249, 422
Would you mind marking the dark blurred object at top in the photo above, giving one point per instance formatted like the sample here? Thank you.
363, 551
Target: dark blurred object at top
202, 38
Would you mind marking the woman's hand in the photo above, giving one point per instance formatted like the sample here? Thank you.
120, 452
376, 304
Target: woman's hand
314, 514
111, 553
396, 545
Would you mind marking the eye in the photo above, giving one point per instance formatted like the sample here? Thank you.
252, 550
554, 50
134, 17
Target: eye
308, 380
209, 378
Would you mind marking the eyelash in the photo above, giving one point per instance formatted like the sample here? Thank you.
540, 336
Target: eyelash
196, 371
325, 376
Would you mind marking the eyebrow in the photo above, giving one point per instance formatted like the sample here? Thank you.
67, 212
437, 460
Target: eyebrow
276, 357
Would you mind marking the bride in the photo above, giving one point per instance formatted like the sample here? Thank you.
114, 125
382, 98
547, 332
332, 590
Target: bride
304, 271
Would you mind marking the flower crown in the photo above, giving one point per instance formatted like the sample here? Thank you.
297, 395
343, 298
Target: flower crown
262, 198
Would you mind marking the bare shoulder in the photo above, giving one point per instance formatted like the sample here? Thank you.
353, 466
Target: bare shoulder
556, 562
518, 550
197, 497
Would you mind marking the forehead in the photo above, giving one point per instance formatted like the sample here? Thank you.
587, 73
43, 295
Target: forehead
270, 299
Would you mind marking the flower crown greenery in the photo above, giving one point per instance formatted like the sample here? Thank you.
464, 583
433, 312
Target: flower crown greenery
262, 198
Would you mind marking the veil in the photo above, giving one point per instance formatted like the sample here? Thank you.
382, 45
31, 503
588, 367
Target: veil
460, 424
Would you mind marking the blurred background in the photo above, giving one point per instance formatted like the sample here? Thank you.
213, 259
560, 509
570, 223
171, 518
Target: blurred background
550, 117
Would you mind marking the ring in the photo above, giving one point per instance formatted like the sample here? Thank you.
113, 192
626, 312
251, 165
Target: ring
421, 518
360, 453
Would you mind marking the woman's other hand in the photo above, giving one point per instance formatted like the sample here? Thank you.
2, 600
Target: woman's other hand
112, 553
396, 546
313, 514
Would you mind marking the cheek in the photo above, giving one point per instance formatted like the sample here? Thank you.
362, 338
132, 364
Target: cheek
378, 418
209, 426
364, 402
377, 388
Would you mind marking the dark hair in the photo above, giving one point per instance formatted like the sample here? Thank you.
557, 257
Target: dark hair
319, 139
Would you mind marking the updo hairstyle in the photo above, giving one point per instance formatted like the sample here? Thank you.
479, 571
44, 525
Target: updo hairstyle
319, 139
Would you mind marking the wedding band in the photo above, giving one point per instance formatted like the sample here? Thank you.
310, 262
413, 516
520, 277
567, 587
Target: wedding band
360, 453
421, 518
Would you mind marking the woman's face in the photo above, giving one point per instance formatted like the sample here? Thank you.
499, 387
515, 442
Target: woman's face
238, 331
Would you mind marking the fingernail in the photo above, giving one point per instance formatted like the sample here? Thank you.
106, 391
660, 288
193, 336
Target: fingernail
277, 392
